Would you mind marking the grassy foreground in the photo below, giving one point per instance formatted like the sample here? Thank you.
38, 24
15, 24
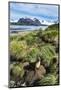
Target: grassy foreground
34, 58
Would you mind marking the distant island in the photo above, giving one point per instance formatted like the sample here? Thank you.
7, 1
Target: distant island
28, 21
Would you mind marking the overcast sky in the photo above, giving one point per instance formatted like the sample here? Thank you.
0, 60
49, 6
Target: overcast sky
40, 11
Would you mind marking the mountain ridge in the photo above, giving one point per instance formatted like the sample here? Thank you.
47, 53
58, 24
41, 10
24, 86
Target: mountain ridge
27, 21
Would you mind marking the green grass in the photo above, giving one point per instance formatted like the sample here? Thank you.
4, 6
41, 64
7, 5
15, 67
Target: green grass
33, 45
49, 79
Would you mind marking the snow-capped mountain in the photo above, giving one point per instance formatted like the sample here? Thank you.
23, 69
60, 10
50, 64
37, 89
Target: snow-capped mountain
32, 21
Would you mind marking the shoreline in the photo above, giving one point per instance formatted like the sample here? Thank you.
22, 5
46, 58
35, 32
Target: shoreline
21, 32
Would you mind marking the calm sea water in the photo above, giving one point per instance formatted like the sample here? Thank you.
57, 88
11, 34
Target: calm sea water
18, 28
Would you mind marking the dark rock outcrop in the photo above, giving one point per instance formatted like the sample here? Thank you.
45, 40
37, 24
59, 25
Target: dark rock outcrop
28, 21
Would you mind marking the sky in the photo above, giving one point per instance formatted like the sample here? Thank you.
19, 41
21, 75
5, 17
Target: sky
40, 11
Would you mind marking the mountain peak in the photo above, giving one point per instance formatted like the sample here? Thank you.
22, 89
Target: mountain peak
29, 21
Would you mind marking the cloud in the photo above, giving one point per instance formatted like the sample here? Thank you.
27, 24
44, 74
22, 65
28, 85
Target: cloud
41, 11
